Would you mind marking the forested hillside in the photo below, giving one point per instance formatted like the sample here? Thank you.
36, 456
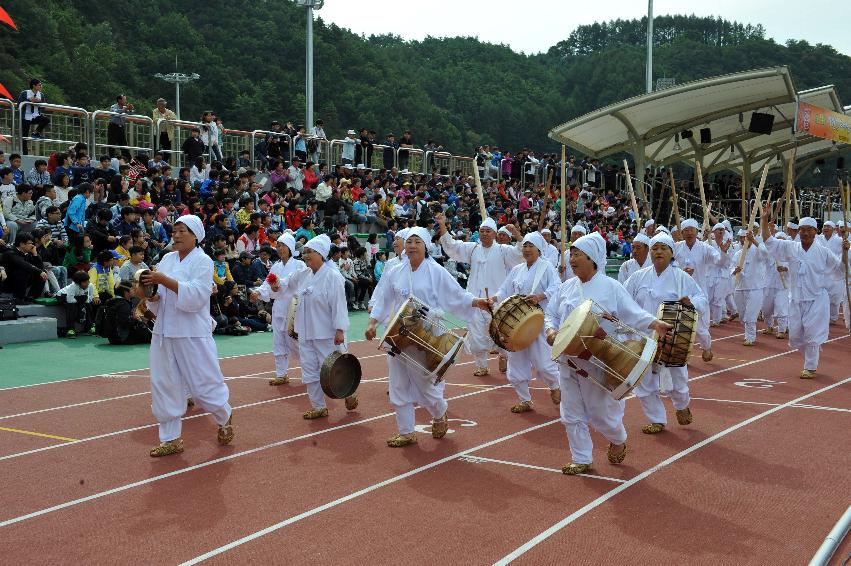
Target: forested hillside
459, 91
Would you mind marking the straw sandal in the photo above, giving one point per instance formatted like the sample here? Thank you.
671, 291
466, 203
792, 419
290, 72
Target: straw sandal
575, 469
226, 432
439, 427
281, 380
168, 448
684, 416
316, 413
522, 407
351, 402
653, 428
402, 440
616, 458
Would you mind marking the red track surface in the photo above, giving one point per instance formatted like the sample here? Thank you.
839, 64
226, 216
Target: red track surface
758, 491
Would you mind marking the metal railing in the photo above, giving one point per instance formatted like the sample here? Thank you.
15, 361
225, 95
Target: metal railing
182, 131
235, 142
465, 164
68, 126
7, 125
262, 162
377, 161
414, 162
138, 130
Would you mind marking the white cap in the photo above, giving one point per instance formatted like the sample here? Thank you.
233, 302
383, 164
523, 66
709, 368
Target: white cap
649, 223
829, 223
691, 223
807, 221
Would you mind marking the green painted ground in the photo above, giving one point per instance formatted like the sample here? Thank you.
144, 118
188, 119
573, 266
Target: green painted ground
42, 362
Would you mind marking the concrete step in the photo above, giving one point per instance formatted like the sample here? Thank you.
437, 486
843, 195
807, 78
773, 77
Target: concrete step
51, 311
30, 329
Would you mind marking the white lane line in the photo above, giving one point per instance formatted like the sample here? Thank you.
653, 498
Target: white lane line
477, 459
311, 512
728, 337
817, 407
521, 550
208, 463
359, 493
142, 427
141, 393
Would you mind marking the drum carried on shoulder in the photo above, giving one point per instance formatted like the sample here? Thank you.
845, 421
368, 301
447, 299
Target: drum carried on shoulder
675, 348
421, 340
516, 323
622, 353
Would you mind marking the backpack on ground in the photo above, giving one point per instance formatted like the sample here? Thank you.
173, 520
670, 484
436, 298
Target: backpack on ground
8, 307
105, 318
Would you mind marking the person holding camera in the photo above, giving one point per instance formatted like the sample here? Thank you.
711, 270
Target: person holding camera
116, 137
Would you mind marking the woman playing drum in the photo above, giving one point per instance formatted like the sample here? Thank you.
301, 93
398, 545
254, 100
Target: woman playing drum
321, 319
650, 287
424, 278
582, 401
536, 279
273, 288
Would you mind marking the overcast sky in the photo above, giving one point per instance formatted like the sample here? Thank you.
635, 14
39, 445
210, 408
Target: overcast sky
533, 27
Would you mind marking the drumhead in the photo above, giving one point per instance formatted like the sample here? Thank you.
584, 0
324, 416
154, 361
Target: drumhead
340, 375
526, 331
570, 328
392, 326
675, 351
516, 323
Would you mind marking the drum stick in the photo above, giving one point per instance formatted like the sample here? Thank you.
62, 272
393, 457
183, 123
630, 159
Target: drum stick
563, 206
675, 205
488, 298
756, 205
632, 195
543, 214
479, 192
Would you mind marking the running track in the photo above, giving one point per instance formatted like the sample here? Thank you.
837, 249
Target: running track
760, 477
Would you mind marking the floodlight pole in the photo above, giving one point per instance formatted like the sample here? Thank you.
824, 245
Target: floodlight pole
177, 79
649, 70
308, 72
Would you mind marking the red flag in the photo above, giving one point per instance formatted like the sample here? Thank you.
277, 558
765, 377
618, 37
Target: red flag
7, 19
5, 92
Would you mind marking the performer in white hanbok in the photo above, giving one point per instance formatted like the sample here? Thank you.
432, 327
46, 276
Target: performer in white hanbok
650, 228
183, 352
750, 282
640, 258
836, 292
551, 253
399, 250
537, 280
719, 281
564, 270
582, 401
489, 264
650, 286
321, 320
809, 303
775, 305
695, 258
272, 289
503, 236
422, 277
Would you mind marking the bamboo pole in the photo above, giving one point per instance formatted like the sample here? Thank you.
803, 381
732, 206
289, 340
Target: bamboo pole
480, 193
706, 225
675, 207
844, 251
543, 214
790, 182
632, 196
563, 206
756, 205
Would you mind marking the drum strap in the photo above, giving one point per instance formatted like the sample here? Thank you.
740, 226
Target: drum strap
576, 368
539, 274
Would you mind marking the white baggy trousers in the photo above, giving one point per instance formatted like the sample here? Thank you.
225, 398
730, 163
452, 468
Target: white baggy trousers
584, 403
181, 364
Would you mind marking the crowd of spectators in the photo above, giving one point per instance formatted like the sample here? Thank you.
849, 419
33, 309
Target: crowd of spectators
107, 216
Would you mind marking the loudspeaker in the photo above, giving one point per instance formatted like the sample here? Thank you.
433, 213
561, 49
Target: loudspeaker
761, 123
686, 134
705, 135
840, 163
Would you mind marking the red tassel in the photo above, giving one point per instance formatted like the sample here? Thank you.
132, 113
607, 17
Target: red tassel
7, 19
4, 92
